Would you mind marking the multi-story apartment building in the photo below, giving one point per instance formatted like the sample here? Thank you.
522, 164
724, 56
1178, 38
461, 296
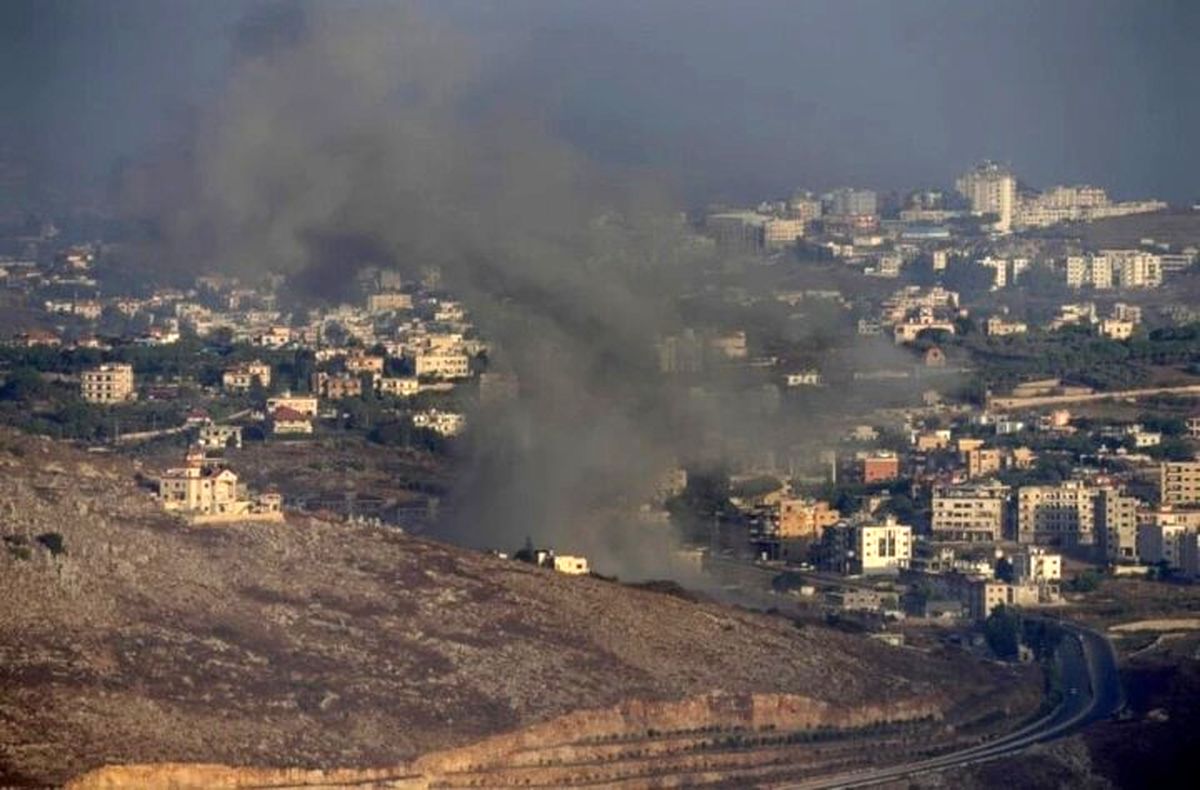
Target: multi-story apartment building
991, 189
1159, 542
970, 513
1115, 269
1116, 522
881, 548
804, 518
1077, 204
389, 300
1034, 564
107, 384
1061, 515
1135, 268
398, 386
337, 386
273, 337
1094, 271
306, 405
442, 364
867, 548
359, 363
983, 461
847, 202
241, 378
879, 466
1037, 568
805, 207
1179, 483
779, 233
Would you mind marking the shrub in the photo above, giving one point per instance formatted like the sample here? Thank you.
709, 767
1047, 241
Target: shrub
53, 541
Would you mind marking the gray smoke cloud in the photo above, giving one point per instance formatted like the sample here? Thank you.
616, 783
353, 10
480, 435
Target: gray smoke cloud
365, 134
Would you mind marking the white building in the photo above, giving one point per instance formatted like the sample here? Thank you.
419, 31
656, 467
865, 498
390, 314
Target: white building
804, 378
991, 189
1032, 564
571, 564
444, 422
881, 548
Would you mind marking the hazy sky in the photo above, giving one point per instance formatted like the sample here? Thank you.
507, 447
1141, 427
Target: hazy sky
733, 99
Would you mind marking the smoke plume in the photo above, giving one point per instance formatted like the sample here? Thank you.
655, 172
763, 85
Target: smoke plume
363, 134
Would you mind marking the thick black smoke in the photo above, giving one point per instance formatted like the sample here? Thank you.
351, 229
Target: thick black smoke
363, 134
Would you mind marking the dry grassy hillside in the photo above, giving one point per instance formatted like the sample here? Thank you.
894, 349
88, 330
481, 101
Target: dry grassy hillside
318, 644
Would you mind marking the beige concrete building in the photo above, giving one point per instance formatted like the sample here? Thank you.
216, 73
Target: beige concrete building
970, 513
389, 300
571, 564
1179, 483
1116, 525
442, 364
1061, 515
985, 595
304, 404
997, 326
359, 364
1116, 329
108, 384
1034, 564
219, 437
983, 461
779, 233
1135, 268
242, 377
337, 386
1037, 568
206, 493
399, 387
805, 518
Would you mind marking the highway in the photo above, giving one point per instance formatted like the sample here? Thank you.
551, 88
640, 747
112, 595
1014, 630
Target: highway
1093, 692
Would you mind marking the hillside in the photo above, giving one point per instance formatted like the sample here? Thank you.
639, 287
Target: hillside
318, 644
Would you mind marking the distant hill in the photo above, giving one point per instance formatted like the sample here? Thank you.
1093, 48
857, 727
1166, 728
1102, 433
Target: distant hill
126, 637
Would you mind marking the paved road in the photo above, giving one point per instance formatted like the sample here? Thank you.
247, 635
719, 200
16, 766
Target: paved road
1089, 667
1033, 401
142, 436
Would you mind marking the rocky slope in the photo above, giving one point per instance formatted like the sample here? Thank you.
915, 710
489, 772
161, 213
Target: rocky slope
128, 638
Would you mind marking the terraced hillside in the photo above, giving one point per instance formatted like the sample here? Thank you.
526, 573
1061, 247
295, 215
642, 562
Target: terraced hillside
127, 638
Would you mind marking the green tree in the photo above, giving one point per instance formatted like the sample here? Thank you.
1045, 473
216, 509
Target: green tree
24, 384
1002, 630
